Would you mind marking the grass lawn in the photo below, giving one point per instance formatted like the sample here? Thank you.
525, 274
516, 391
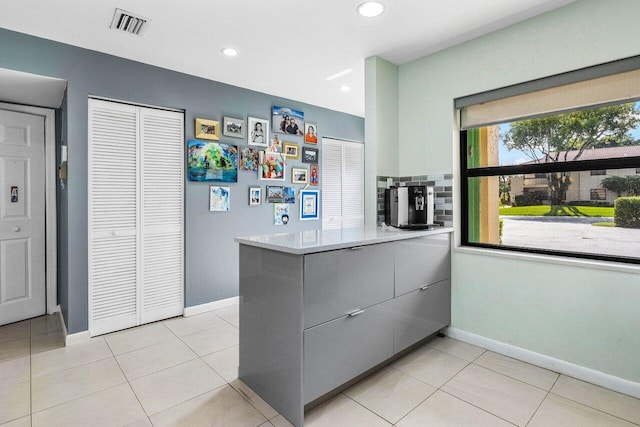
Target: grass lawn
546, 210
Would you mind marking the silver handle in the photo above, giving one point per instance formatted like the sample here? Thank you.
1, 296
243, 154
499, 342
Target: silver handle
355, 248
354, 313
425, 287
16, 229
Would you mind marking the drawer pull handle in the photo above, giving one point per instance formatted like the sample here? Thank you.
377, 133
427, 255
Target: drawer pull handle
356, 248
354, 313
425, 287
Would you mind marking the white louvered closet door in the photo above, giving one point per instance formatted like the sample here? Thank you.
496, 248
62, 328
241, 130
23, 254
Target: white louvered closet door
113, 216
331, 184
162, 220
135, 215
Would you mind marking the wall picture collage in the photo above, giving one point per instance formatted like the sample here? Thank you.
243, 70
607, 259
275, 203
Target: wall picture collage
272, 148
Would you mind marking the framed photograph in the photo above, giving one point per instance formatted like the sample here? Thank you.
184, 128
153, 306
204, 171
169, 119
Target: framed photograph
310, 133
274, 194
249, 159
280, 214
299, 175
291, 150
212, 161
233, 127
314, 175
258, 132
287, 120
308, 204
255, 196
207, 129
289, 195
272, 166
309, 155
219, 199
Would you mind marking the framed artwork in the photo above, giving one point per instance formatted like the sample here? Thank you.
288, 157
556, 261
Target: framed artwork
258, 131
272, 166
233, 127
219, 199
289, 195
309, 155
274, 194
287, 120
310, 133
276, 145
280, 214
255, 196
299, 176
212, 161
207, 129
314, 175
249, 159
291, 150
308, 204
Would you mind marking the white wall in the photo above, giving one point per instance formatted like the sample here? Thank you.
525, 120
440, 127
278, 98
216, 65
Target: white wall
581, 315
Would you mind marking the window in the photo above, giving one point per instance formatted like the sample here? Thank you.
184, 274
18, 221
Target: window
537, 164
342, 184
598, 194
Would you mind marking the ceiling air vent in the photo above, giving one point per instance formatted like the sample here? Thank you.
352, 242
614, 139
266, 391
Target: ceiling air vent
129, 23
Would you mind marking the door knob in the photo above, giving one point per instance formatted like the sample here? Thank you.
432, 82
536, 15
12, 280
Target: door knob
16, 229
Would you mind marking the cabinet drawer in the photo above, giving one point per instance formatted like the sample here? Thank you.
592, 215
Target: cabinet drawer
338, 351
339, 282
420, 313
421, 261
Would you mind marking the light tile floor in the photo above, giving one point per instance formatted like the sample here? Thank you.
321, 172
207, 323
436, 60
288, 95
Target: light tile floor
183, 372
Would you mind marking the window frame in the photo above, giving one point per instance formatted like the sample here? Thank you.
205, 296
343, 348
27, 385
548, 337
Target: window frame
523, 169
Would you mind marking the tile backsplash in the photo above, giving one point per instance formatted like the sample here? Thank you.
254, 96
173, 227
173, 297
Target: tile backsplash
443, 184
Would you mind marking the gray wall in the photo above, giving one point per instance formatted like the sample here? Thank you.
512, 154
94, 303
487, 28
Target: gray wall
211, 254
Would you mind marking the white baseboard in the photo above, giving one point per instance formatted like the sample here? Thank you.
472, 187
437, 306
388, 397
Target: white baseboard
63, 327
215, 305
77, 338
611, 382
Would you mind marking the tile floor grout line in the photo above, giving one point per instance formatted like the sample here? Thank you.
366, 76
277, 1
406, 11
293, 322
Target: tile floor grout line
517, 379
415, 407
477, 407
541, 402
596, 409
360, 404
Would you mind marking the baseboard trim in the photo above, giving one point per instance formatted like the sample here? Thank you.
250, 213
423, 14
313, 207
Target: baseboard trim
611, 382
63, 327
215, 305
77, 338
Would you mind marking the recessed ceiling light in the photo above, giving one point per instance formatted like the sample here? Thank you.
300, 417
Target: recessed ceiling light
339, 74
370, 9
229, 51
345, 88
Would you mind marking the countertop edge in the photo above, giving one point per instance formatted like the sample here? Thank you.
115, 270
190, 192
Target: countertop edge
394, 235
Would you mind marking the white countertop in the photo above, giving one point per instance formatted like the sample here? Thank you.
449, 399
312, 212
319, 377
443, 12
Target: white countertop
311, 241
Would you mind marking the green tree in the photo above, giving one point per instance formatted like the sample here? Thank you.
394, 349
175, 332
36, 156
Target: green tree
617, 184
565, 137
633, 185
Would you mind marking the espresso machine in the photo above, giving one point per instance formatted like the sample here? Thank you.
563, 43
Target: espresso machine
409, 207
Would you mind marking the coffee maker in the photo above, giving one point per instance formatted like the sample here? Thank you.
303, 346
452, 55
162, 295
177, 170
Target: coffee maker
409, 207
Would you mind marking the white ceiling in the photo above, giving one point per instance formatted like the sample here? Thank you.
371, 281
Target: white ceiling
286, 48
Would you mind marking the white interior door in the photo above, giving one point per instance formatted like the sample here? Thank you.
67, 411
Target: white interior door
22, 216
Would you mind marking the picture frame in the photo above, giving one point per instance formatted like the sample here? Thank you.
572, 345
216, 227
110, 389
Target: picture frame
272, 166
219, 199
314, 175
258, 132
310, 133
232, 127
287, 120
310, 155
291, 150
255, 196
212, 161
289, 195
274, 194
280, 214
249, 159
309, 205
207, 129
299, 175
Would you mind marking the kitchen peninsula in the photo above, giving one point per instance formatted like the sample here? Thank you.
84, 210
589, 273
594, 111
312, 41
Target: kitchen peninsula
321, 308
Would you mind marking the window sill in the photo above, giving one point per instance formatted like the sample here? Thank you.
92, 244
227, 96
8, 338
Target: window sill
549, 259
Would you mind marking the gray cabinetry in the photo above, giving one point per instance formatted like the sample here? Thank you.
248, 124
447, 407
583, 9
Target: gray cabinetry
421, 313
421, 261
339, 282
342, 349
